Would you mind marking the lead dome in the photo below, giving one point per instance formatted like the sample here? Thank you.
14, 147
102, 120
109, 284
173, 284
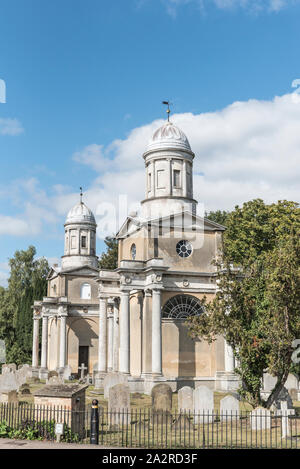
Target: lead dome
168, 136
80, 213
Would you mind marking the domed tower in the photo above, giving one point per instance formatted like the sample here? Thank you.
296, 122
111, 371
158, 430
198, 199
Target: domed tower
80, 238
169, 173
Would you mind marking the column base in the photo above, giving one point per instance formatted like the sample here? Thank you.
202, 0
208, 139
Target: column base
35, 372
98, 378
43, 373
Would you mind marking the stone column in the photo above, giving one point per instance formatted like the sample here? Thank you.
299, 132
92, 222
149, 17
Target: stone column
116, 336
229, 358
184, 177
156, 333
44, 342
35, 343
102, 353
110, 341
62, 344
124, 355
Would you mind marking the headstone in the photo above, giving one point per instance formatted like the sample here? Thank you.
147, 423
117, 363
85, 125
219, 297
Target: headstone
285, 422
82, 370
292, 382
8, 381
260, 419
9, 367
119, 405
161, 395
52, 373
293, 394
23, 374
186, 399
229, 408
24, 389
55, 380
182, 424
67, 372
10, 397
203, 404
111, 379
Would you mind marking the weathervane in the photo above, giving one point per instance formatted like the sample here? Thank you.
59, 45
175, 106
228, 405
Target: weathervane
81, 194
167, 103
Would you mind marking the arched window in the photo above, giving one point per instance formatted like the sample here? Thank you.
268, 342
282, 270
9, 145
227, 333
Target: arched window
85, 291
181, 307
133, 251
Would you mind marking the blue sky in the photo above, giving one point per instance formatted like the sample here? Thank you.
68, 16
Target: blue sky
84, 85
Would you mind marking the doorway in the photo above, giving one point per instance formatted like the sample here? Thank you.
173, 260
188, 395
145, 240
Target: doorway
83, 357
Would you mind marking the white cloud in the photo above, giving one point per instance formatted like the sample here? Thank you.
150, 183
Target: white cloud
10, 127
172, 6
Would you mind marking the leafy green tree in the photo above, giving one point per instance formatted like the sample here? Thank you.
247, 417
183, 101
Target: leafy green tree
257, 305
109, 259
219, 216
27, 282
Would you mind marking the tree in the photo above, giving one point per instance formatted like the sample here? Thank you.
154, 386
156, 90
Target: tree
256, 308
109, 259
27, 282
219, 216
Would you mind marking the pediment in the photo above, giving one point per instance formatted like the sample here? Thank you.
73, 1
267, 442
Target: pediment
186, 219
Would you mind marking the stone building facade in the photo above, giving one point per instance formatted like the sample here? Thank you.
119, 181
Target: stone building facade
132, 319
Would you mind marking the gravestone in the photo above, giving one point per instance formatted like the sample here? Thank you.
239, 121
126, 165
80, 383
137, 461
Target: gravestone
119, 405
66, 374
229, 408
260, 419
52, 373
161, 395
23, 374
24, 389
293, 394
9, 397
8, 381
55, 380
111, 379
9, 367
203, 404
186, 399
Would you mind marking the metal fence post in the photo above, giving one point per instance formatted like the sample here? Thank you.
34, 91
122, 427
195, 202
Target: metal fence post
94, 436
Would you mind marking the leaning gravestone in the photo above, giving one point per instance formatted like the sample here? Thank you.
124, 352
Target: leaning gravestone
260, 419
111, 379
229, 408
203, 404
186, 399
161, 395
119, 405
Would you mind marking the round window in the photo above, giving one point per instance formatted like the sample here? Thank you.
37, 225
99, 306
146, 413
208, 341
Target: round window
184, 248
133, 251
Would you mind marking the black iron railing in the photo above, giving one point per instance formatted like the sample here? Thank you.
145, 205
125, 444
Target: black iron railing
144, 428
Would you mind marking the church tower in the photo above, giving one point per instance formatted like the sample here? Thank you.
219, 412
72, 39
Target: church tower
80, 238
169, 173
